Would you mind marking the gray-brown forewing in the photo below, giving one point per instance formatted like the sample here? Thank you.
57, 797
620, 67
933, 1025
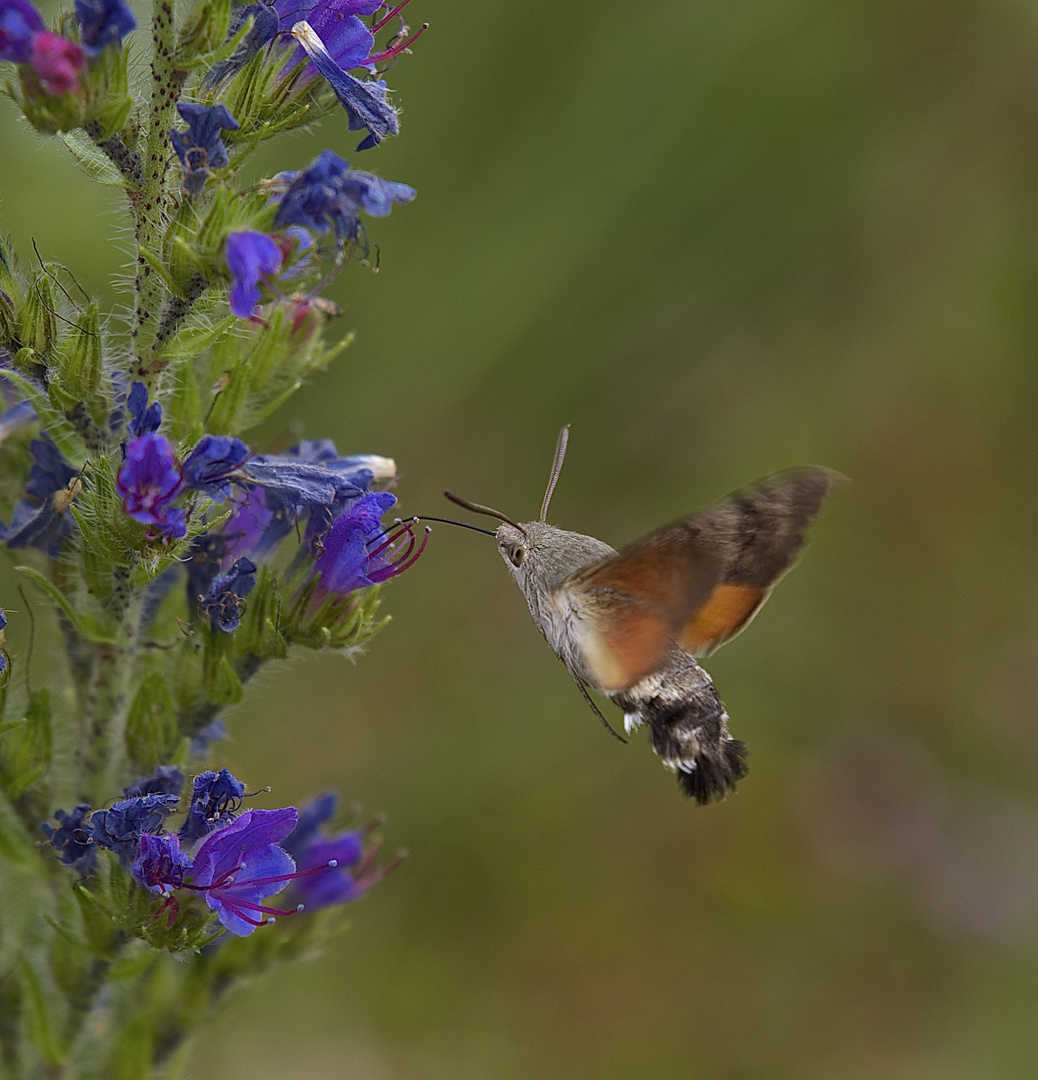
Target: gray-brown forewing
698, 582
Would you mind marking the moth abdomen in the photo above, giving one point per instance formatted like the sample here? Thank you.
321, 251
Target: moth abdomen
688, 728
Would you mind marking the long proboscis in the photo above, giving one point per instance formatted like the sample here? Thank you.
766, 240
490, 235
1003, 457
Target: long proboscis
460, 524
556, 468
478, 508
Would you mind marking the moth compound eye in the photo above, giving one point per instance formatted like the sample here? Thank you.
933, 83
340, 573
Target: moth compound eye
517, 555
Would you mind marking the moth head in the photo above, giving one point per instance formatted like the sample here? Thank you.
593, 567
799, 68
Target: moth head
514, 545
517, 541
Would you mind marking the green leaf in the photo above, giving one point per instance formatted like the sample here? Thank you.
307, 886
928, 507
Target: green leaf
15, 844
40, 1022
97, 164
25, 748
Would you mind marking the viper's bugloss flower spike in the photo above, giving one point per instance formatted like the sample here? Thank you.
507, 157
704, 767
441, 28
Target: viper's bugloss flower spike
215, 801
251, 257
148, 482
328, 194
73, 838
20, 22
39, 520
103, 22
224, 603
366, 103
120, 827
57, 62
160, 865
239, 866
212, 460
357, 552
144, 418
201, 148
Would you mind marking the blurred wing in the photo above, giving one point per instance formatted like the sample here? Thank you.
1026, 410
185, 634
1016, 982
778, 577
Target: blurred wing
698, 582
755, 534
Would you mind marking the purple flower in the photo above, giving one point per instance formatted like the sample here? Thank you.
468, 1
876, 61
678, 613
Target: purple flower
73, 839
214, 731
56, 62
353, 872
215, 801
366, 103
144, 418
204, 562
148, 482
328, 194
17, 417
160, 865
119, 828
165, 780
357, 552
347, 40
293, 481
212, 460
103, 22
19, 24
225, 603
40, 520
259, 524
251, 257
200, 148
240, 865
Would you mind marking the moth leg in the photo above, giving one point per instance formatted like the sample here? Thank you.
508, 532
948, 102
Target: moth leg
595, 709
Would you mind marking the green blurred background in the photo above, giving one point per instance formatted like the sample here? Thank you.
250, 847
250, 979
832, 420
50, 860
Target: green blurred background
719, 237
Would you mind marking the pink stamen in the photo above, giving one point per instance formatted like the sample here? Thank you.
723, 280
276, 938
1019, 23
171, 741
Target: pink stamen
404, 563
331, 864
235, 903
393, 538
401, 46
396, 11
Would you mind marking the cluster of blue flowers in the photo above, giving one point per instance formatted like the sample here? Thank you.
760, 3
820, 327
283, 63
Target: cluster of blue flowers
235, 860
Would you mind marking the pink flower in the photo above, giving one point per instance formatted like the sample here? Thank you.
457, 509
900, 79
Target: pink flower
56, 61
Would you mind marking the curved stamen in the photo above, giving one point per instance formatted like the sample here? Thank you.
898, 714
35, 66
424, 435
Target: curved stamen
396, 11
402, 46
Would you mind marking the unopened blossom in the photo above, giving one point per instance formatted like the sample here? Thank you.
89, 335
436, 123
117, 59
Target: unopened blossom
56, 62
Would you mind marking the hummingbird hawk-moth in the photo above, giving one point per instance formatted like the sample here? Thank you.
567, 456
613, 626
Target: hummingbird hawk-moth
631, 623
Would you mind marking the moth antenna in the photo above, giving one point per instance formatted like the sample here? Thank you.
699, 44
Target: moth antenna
460, 524
476, 508
556, 468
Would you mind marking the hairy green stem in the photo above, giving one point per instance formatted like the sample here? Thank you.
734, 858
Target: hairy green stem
149, 204
109, 699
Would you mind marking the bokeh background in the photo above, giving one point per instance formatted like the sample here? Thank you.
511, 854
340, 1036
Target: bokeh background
719, 237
